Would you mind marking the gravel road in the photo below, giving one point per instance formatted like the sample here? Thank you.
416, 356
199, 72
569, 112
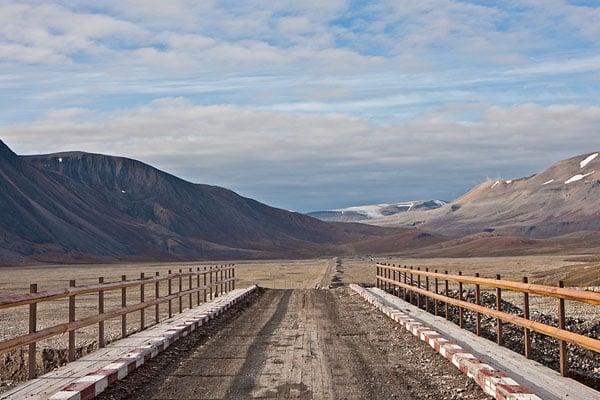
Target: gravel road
298, 344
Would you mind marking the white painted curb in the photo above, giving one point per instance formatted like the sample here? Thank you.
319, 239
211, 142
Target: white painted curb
493, 382
93, 384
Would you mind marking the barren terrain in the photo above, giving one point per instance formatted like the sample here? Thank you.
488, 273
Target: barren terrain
290, 279
576, 270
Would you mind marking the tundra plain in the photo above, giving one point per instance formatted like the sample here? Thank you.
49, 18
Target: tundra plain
575, 270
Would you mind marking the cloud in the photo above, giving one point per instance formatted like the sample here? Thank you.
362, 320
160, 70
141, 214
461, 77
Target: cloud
58, 33
285, 100
260, 152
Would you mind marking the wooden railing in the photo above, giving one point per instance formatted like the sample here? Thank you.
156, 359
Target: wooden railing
413, 284
205, 283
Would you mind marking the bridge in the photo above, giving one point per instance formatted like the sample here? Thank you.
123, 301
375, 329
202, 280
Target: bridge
348, 342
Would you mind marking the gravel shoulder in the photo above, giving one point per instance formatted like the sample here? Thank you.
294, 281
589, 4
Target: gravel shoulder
300, 344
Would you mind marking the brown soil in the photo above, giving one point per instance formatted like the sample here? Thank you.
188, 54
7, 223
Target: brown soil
301, 344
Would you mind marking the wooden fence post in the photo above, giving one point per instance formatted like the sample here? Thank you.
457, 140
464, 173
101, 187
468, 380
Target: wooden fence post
101, 342
228, 276
170, 292
427, 288
222, 284
190, 288
179, 293
564, 367
198, 285
499, 308
478, 302
406, 291
460, 297
32, 329
210, 281
435, 304
418, 287
527, 332
71, 356
156, 296
123, 305
411, 285
205, 297
233, 276
143, 310
446, 294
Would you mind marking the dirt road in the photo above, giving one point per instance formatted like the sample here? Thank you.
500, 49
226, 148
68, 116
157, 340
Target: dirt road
299, 344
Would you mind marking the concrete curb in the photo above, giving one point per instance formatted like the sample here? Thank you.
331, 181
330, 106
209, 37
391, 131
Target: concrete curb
89, 386
493, 382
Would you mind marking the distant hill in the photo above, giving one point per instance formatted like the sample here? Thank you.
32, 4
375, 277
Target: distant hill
77, 207
82, 207
563, 199
366, 212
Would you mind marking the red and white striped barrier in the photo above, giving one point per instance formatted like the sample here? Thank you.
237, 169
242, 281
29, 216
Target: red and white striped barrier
89, 386
493, 382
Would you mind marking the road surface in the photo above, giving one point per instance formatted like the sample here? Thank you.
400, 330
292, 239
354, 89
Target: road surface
299, 344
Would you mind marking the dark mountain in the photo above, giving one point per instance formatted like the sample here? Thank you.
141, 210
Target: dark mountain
563, 199
78, 206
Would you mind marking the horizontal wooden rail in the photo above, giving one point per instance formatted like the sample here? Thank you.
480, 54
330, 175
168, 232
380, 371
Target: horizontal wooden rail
390, 276
561, 334
30, 298
549, 291
59, 329
212, 282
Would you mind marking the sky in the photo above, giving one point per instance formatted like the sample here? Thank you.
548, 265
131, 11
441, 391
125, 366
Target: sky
307, 105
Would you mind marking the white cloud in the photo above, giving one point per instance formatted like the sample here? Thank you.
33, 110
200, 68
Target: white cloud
189, 135
327, 88
56, 32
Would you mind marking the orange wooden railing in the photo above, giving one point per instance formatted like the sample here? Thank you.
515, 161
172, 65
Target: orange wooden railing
209, 283
407, 281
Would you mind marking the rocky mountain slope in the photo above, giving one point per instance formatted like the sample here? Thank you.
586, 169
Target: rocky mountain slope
77, 206
564, 198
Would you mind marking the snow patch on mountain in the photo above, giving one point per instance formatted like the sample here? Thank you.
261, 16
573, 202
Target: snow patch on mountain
375, 211
587, 160
578, 177
371, 211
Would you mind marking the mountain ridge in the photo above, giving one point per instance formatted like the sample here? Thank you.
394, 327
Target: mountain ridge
75, 206
562, 199
86, 207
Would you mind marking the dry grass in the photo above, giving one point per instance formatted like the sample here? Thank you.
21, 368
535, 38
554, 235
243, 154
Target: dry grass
511, 267
282, 274
539, 269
